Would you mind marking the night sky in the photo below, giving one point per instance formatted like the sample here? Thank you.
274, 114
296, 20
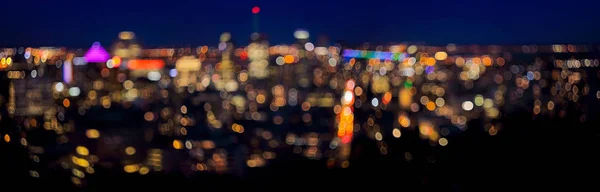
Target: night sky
179, 23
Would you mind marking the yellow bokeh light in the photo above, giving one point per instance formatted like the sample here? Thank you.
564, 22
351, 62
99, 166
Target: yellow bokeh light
131, 168
177, 144
90, 170
92, 133
412, 49
144, 170
260, 98
81, 150
427, 131
116, 60
80, 161
237, 128
405, 98
126, 35
396, 132
440, 102
440, 56
130, 150
550, 105
443, 141
479, 100
404, 121
183, 109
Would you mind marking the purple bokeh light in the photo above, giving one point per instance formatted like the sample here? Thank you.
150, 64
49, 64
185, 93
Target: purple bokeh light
96, 54
67, 72
429, 69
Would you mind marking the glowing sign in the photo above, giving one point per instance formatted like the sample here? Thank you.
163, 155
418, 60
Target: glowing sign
145, 64
375, 55
96, 54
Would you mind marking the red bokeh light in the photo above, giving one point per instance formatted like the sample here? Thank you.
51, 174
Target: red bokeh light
244, 55
255, 9
346, 139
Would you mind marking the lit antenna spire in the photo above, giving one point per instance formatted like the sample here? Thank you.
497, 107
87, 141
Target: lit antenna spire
255, 11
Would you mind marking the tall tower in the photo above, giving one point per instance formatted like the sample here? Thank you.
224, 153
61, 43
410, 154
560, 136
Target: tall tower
255, 11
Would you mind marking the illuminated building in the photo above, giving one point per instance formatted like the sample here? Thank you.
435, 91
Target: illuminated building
188, 71
126, 47
226, 71
212, 126
155, 159
258, 53
33, 87
31, 100
96, 54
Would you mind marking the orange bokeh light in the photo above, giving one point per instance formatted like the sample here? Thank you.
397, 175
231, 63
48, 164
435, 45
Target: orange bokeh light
288, 59
146, 64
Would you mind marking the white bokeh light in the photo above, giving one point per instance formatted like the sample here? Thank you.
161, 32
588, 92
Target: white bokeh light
467, 105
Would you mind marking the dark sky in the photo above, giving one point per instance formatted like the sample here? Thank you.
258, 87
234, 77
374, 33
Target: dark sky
77, 23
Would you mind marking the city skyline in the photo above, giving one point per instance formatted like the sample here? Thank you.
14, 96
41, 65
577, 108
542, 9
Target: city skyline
245, 40
316, 95
532, 21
